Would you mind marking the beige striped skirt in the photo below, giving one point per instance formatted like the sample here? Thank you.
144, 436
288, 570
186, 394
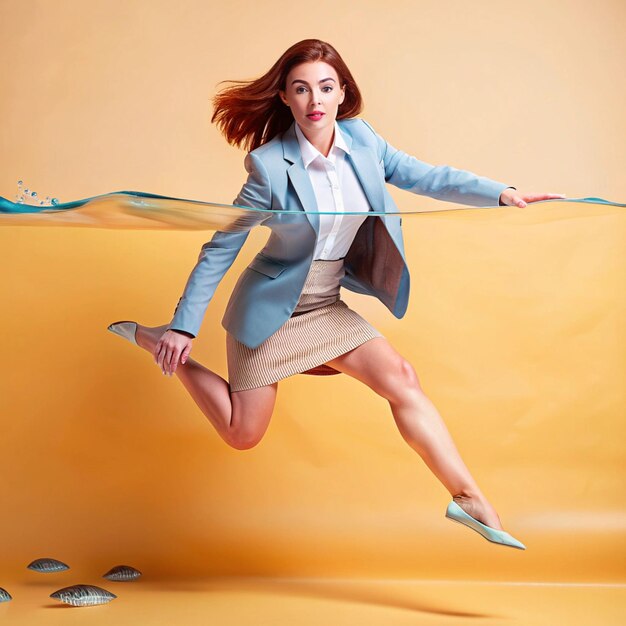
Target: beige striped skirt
321, 328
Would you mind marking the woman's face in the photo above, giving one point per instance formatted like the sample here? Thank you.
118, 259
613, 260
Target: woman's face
310, 87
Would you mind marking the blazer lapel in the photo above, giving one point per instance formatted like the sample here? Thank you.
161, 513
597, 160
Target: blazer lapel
363, 161
299, 177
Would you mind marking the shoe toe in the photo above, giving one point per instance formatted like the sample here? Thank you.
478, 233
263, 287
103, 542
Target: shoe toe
456, 513
124, 329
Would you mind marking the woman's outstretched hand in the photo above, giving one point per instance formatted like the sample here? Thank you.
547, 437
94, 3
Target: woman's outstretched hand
512, 197
171, 348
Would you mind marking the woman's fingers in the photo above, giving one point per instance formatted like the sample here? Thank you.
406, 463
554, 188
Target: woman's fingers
161, 357
175, 355
174, 361
171, 360
185, 353
161, 354
168, 359
512, 197
180, 356
167, 354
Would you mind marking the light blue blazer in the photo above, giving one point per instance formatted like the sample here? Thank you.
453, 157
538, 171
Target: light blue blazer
268, 290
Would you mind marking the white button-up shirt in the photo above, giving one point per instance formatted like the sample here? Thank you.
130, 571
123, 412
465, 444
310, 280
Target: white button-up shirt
337, 189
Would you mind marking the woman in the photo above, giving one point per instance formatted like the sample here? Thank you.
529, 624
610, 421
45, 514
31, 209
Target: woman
309, 152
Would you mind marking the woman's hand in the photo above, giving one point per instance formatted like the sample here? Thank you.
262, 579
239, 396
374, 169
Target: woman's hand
171, 347
512, 197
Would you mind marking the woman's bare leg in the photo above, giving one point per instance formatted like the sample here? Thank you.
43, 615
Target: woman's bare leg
377, 364
240, 417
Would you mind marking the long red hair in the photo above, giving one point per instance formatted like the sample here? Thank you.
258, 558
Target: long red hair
250, 113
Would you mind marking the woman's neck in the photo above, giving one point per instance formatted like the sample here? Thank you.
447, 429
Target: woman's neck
322, 141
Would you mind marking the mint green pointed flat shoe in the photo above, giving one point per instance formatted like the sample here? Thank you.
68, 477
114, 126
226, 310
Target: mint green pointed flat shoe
124, 329
457, 514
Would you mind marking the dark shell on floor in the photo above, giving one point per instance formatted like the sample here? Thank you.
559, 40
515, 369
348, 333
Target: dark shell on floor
83, 595
5, 596
122, 573
47, 565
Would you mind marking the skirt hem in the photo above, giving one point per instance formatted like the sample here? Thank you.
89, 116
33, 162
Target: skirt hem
321, 328
268, 377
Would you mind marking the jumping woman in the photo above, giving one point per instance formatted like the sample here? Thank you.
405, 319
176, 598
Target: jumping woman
309, 153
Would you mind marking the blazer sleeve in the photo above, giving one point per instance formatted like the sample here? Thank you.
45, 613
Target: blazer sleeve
217, 255
442, 182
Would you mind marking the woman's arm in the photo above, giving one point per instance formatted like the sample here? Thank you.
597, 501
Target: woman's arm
442, 182
448, 183
218, 254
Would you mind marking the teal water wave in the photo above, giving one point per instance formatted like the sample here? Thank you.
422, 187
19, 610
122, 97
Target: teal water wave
139, 210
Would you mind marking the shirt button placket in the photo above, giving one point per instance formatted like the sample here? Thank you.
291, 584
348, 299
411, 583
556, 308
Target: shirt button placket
338, 202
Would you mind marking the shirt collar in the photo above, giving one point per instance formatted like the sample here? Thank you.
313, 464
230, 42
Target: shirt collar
310, 152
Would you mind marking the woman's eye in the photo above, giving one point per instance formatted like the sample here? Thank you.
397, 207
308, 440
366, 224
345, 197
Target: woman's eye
326, 89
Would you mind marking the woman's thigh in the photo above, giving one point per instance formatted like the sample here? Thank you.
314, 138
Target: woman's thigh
381, 367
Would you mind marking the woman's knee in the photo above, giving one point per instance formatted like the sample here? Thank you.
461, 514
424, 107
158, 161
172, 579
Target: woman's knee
246, 431
402, 382
397, 382
244, 440
377, 364
409, 375
251, 414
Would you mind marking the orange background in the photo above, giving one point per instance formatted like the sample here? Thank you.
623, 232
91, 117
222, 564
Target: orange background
515, 325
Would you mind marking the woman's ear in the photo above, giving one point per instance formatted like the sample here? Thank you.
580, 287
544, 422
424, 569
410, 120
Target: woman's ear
281, 95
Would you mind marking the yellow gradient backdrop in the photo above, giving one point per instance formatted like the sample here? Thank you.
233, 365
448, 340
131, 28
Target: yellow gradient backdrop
515, 324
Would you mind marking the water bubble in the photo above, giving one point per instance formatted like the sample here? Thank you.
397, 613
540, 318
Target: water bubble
55, 201
34, 194
20, 183
41, 202
20, 201
26, 191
